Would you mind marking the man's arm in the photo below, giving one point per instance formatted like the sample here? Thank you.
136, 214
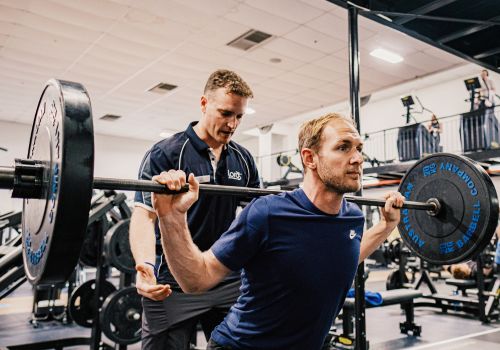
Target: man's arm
376, 235
142, 244
195, 271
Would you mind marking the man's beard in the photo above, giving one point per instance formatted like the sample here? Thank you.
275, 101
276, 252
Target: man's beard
334, 182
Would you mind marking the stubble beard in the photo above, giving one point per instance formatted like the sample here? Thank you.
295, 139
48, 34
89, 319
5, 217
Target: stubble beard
335, 182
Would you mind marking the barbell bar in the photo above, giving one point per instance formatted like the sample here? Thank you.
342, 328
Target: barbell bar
455, 202
7, 181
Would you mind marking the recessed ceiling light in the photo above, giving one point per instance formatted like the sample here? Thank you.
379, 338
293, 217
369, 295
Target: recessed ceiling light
386, 55
250, 110
275, 60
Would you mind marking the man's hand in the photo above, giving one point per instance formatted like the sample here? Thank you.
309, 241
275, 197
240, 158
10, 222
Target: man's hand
146, 283
178, 203
391, 211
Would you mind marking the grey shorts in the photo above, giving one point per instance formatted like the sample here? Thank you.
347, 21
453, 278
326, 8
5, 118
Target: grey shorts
159, 316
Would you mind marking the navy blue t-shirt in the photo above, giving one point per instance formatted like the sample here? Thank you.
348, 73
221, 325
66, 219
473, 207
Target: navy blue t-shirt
298, 264
210, 215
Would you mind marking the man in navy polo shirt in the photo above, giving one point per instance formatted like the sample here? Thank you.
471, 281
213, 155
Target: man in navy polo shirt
206, 150
298, 250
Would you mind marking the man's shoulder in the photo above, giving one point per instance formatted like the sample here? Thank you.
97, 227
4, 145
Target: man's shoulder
239, 148
171, 143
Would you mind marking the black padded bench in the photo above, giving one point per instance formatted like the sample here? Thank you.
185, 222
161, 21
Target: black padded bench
463, 285
390, 297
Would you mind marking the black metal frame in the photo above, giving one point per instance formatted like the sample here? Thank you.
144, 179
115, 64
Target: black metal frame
400, 19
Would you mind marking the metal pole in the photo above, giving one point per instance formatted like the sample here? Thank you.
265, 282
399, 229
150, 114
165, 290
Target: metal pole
359, 282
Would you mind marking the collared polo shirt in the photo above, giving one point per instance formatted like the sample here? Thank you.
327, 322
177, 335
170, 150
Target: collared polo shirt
211, 215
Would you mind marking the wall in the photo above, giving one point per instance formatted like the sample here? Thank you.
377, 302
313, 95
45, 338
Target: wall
114, 156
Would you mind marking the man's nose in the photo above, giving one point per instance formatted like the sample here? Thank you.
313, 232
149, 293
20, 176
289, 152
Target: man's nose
357, 157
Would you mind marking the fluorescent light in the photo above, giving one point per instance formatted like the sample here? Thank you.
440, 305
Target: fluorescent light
250, 110
386, 55
165, 134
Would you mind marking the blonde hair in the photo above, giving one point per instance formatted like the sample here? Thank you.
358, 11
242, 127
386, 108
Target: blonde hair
311, 131
232, 82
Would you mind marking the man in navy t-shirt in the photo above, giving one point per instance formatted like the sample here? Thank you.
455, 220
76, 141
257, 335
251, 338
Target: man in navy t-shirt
298, 251
206, 150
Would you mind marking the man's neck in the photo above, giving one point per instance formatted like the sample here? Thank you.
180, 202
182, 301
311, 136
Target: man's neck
323, 198
205, 136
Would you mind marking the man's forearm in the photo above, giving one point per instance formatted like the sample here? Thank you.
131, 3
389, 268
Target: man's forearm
373, 238
185, 260
142, 236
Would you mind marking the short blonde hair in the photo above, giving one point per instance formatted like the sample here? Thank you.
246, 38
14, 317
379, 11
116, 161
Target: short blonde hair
229, 80
311, 131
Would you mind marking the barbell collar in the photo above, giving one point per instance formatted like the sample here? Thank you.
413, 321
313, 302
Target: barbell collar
6, 177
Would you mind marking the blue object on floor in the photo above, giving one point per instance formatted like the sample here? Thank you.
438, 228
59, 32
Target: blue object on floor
372, 298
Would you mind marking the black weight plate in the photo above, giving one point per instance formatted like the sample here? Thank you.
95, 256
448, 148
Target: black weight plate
54, 226
121, 316
396, 280
469, 213
117, 247
94, 232
82, 306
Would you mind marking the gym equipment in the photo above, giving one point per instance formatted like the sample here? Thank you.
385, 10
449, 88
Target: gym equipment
413, 141
82, 305
468, 213
117, 247
121, 316
56, 183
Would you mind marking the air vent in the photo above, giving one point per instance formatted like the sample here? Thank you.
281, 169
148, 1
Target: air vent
110, 117
163, 88
249, 39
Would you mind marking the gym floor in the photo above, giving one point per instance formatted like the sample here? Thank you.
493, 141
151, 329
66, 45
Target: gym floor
439, 331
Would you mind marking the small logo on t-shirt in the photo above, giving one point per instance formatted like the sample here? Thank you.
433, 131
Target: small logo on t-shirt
234, 175
352, 234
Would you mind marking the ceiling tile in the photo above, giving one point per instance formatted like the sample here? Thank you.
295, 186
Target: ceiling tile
335, 26
293, 49
263, 55
300, 79
218, 33
293, 10
261, 20
315, 40
321, 4
318, 72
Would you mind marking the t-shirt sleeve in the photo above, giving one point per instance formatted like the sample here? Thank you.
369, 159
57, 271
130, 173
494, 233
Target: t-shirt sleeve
154, 162
246, 236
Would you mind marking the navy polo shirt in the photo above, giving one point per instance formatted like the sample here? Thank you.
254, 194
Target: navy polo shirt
211, 215
298, 265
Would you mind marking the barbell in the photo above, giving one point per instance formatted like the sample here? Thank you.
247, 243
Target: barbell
455, 203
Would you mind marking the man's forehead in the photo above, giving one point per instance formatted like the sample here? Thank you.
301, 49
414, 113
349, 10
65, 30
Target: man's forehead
342, 128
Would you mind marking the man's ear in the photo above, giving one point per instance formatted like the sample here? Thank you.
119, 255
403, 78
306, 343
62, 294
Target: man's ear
308, 160
203, 103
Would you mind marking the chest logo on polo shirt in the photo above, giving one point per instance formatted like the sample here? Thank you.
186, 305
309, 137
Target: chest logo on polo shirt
233, 175
352, 234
